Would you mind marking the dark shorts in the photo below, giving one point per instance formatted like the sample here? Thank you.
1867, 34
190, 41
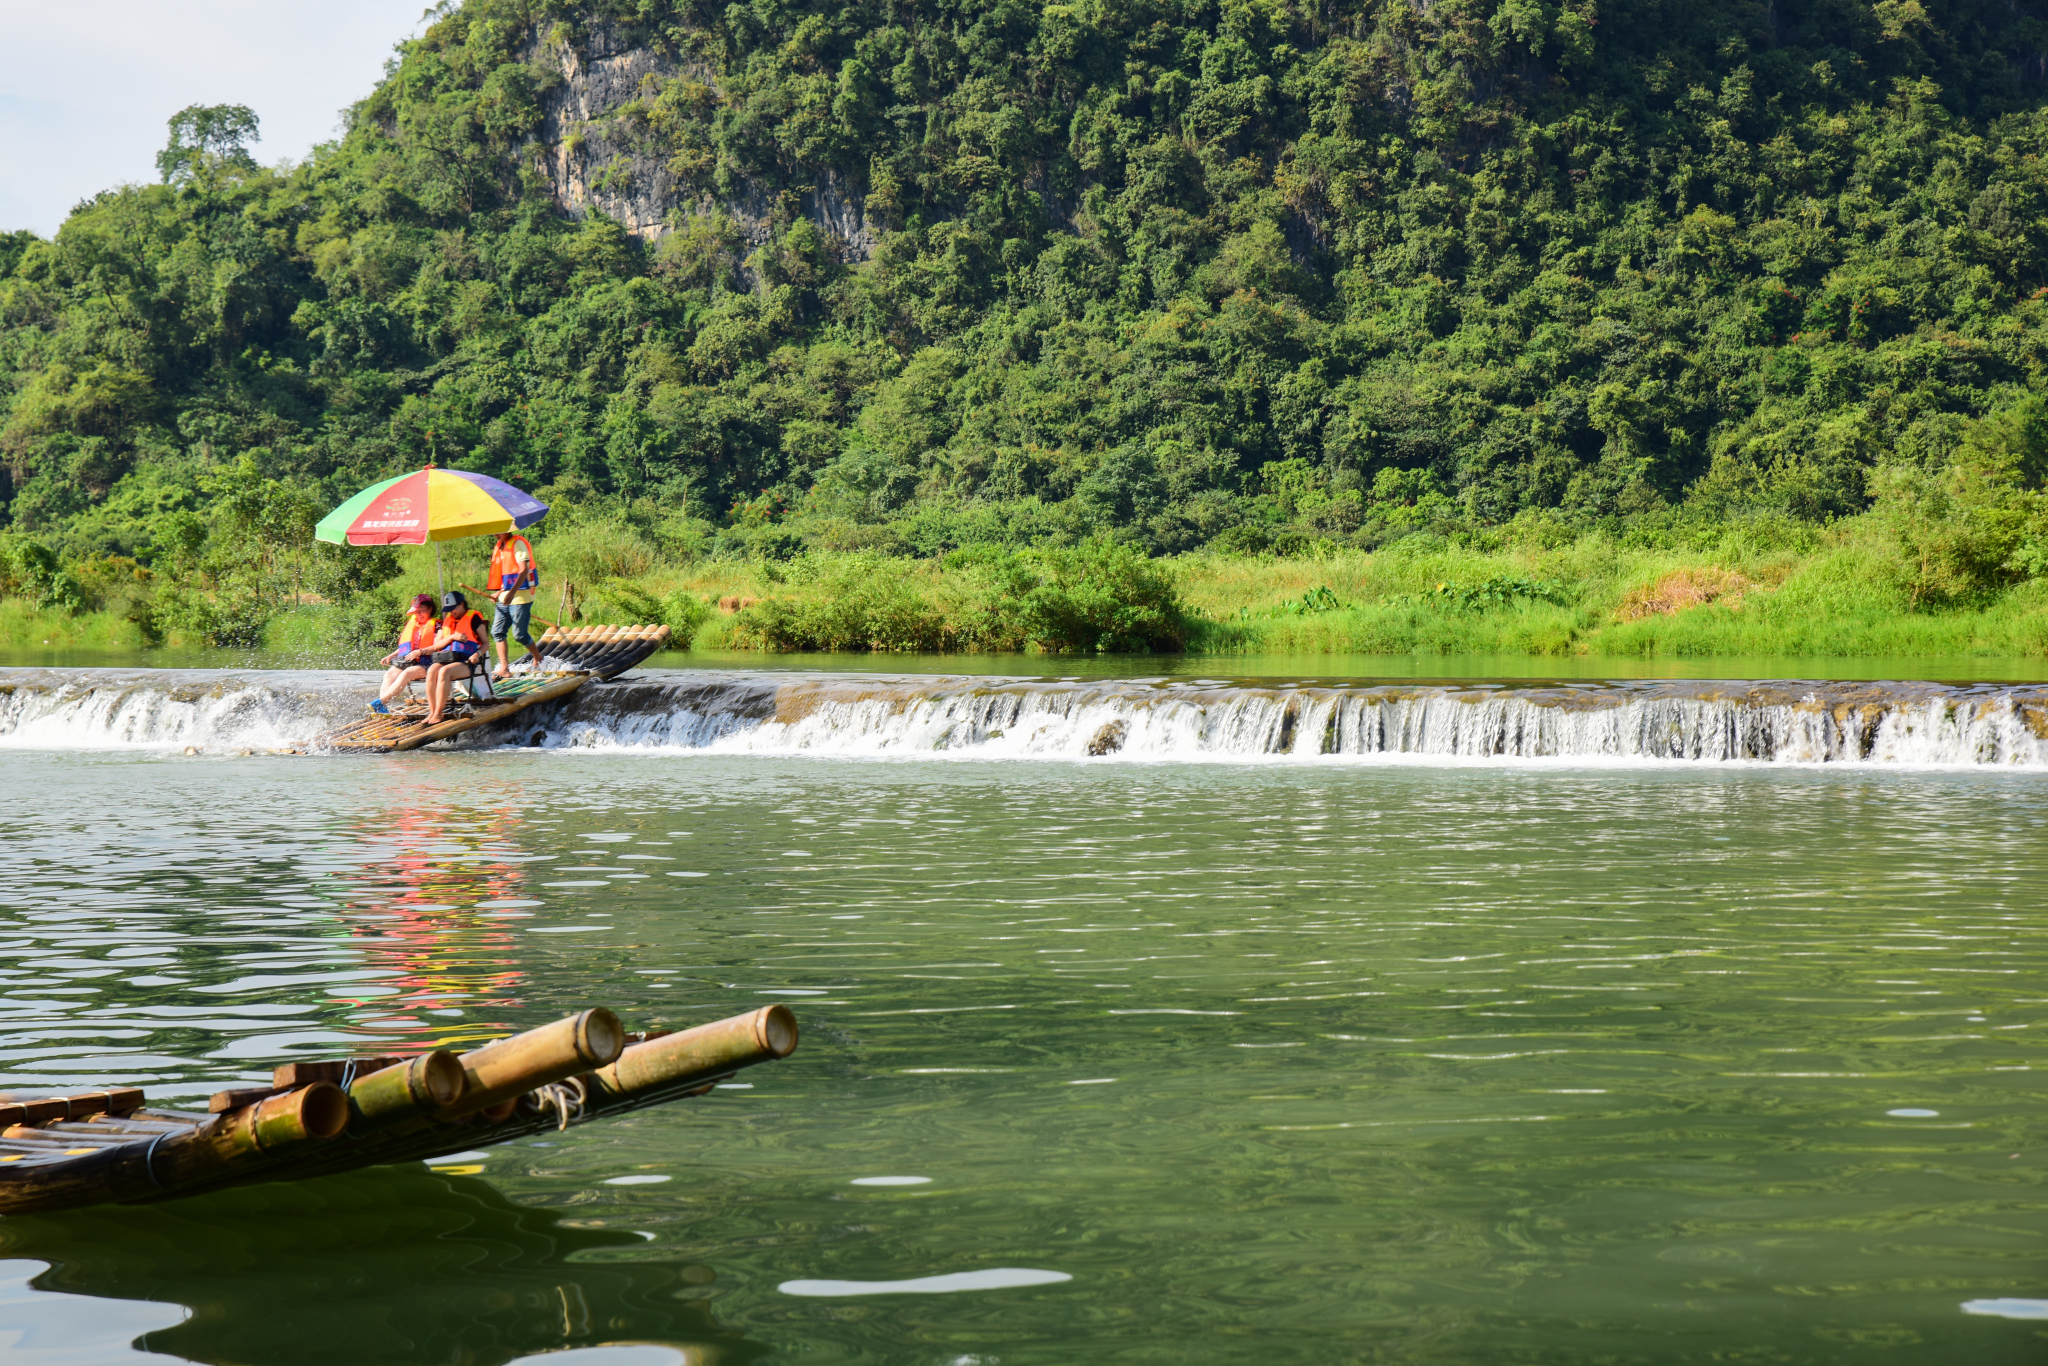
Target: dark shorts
516, 621
453, 657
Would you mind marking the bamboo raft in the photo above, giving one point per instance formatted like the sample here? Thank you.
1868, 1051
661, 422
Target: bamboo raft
316, 1119
569, 659
601, 651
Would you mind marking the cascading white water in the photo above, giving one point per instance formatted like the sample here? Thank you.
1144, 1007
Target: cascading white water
1798, 723
1152, 720
167, 708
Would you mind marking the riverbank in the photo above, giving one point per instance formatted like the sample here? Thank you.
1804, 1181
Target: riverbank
1592, 598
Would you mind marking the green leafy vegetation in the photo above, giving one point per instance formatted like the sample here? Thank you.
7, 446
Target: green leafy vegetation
1233, 281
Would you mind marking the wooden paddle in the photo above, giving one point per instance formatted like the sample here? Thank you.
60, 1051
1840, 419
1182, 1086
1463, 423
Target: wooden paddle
492, 598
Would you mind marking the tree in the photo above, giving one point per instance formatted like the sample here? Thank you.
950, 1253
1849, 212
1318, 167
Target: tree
207, 140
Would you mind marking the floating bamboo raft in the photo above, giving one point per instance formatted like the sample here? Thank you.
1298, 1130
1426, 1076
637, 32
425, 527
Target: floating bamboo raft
569, 659
603, 651
316, 1119
405, 725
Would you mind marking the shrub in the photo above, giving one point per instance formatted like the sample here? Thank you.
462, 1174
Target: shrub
229, 619
1498, 591
1976, 522
1103, 596
589, 552
1315, 600
30, 569
339, 572
364, 621
872, 608
681, 611
1246, 538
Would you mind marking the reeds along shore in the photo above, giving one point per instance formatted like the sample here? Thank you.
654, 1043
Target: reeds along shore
321, 1118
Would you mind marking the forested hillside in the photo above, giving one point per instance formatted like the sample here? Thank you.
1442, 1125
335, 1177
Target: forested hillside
1185, 274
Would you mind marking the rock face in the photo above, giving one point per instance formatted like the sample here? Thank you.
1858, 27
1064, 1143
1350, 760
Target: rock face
1109, 739
594, 159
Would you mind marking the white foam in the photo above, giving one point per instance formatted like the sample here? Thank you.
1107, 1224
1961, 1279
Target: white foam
1896, 725
1904, 725
995, 1278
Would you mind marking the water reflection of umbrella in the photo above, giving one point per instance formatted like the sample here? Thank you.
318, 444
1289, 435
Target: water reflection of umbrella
430, 505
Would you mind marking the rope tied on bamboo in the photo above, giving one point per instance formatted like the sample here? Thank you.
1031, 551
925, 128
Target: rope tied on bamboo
149, 1160
566, 1098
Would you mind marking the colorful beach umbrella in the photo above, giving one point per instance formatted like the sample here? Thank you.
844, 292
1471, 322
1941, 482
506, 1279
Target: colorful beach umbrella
430, 505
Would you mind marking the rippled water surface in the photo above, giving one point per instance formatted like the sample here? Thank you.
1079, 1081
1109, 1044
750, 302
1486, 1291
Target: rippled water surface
1175, 1062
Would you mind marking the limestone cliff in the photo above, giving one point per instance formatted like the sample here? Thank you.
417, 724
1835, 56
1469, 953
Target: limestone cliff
596, 150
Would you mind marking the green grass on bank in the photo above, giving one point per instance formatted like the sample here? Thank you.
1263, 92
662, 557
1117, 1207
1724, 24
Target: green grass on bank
1848, 596
1845, 601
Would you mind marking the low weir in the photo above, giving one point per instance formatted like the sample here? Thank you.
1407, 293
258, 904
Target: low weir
1154, 720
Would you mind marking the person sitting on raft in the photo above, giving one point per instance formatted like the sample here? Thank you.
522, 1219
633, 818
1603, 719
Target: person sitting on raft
408, 663
459, 653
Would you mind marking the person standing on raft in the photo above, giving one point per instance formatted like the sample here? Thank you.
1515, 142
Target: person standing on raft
459, 653
408, 663
514, 576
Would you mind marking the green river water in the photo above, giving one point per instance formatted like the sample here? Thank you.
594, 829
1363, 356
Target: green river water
1264, 1062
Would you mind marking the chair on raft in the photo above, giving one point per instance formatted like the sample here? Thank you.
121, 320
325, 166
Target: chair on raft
476, 683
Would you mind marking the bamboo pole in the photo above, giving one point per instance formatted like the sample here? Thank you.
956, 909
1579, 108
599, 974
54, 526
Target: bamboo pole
241, 1141
659, 1069
491, 597
509, 1068
415, 1108
692, 1056
425, 1085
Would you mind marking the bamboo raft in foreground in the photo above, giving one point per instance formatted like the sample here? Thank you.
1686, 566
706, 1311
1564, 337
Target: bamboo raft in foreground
569, 659
316, 1119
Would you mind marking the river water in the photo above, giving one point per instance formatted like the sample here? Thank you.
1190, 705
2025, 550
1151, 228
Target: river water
1650, 1023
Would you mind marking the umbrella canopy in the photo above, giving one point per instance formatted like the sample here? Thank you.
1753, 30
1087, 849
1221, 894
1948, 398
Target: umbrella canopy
430, 505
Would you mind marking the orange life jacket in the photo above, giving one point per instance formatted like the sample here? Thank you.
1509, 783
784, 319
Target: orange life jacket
420, 631
505, 560
467, 624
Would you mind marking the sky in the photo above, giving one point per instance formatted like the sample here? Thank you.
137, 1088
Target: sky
88, 85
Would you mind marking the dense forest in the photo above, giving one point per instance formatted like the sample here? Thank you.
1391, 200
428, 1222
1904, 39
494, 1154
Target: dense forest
1238, 274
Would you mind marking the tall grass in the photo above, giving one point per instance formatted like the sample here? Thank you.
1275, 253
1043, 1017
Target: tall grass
23, 625
1846, 594
1842, 600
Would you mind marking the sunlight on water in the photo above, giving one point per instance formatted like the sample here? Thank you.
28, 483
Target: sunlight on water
1188, 1063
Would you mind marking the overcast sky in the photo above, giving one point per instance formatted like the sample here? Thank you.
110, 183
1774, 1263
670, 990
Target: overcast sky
87, 85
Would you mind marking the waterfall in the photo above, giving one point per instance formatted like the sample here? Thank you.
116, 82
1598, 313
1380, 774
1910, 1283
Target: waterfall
1092, 720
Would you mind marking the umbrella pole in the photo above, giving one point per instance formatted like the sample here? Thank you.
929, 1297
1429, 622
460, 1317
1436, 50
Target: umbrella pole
440, 578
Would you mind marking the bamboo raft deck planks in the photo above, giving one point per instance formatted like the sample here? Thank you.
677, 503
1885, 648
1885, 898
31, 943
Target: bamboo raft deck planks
405, 727
569, 657
317, 1119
